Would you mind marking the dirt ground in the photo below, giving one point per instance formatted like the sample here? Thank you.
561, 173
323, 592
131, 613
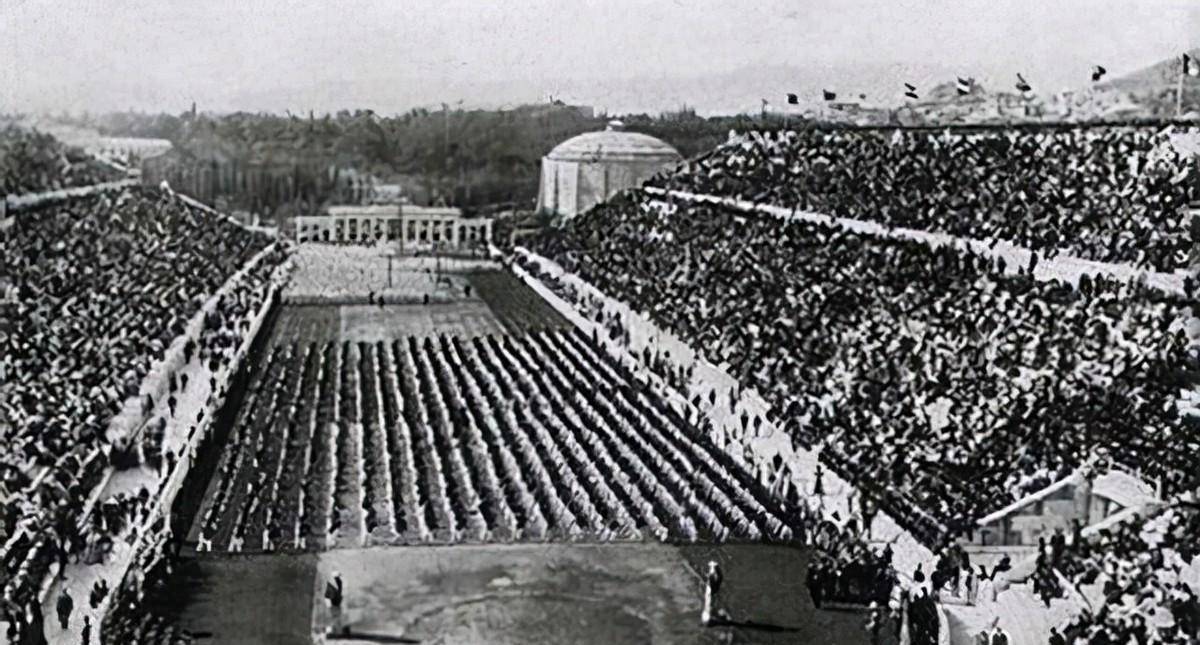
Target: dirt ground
352, 274
241, 600
498, 303
574, 593
371, 323
580, 594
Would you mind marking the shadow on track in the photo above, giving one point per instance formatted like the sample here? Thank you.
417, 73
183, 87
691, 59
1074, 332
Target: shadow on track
360, 637
754, 626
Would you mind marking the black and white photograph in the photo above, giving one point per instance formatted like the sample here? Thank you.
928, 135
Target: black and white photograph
600, 322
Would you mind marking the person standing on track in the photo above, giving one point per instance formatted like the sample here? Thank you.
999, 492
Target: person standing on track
333, 595
64, 606
712, 586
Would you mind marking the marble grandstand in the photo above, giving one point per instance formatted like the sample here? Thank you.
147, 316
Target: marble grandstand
751, 350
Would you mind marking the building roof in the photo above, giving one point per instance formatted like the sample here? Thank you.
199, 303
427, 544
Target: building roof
363, 210
613, 144
1124, 489
393, 210
436, 211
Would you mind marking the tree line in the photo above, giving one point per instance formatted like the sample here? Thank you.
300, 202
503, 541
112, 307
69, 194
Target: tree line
277, 165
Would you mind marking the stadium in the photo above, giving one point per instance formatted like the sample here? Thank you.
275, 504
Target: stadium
804, 380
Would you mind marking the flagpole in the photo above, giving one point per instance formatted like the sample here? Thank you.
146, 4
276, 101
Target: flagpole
1179, 91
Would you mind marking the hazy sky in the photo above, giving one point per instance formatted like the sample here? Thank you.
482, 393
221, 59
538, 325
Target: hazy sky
389, 55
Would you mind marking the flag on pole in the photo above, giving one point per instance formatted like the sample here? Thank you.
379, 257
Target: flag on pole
964, 85
911, 91
1023, 85
1098, 73
829, 96
792, 99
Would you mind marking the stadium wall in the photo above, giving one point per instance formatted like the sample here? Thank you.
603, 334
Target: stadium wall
190, 502
130, 422
14, 203
1061, 267
147, 540
943, 633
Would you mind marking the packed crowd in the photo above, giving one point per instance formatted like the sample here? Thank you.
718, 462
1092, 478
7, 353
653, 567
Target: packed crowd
131, 619
1117, 195
367, 275
942, 386
106, 285
1138, 567
35, 162
850, 336
540, 436
73, 531
846, 569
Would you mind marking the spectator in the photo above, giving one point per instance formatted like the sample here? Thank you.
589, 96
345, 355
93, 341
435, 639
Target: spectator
63, 607
856, 362
1112, 194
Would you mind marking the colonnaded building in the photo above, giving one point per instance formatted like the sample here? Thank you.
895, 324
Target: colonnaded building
589, 168
413, 227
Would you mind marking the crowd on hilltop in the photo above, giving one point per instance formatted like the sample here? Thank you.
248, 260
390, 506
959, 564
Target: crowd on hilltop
941, 385
35, 162
105, 285
1117, 195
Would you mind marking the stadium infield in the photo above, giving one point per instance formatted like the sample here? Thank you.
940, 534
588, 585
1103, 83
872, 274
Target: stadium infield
506, 594
497, 303
507, 591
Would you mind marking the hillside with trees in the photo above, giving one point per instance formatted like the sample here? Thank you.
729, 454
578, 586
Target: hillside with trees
277, 165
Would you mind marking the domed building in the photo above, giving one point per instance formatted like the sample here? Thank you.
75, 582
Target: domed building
588, 169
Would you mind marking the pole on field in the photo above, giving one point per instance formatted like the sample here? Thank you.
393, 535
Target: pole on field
1179, 94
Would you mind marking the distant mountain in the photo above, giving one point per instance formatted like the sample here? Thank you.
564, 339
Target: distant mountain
879, 85
871, 83
947, 92
730, 92
1161, 75
1152, 91
743, 89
